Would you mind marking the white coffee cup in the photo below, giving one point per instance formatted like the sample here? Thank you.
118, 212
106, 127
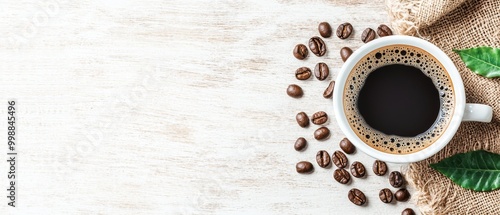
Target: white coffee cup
462, 111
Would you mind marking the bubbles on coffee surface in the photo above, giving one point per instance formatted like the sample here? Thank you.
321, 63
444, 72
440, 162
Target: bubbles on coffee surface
405, 55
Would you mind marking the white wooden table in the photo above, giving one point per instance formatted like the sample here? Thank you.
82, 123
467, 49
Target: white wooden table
173, 107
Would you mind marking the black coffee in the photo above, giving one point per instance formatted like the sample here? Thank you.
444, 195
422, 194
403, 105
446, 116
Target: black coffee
399, 100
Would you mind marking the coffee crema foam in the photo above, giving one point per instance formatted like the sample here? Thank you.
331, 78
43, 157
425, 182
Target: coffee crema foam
405, 55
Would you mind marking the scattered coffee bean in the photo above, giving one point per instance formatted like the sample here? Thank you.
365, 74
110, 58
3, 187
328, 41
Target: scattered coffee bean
358, 169
317, 46
356, 196
345, 52
341, 176
383, 30
347, 146
300, 144
396, 179
408, 211
329, 90
321, 133
304, 167
303, 73
321, 71
294, 91
339, 159
302, 119
385, 195
344, 30
323, 158
319, 118
300, 51
325, 30
402, 195
379, 167
368, 35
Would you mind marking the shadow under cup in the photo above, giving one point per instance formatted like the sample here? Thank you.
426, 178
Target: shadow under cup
409, 56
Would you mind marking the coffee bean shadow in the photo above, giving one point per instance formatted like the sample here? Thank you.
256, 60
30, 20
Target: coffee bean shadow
366, 203
364, 176
327, 122
350, 181
329, 165
394, 201
324, 139
312, 78
305, 148
405, 183
312, 171
360, 178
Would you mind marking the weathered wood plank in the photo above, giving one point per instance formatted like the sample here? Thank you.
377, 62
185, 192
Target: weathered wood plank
173, 107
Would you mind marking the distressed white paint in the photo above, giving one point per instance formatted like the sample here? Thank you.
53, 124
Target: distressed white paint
172, 107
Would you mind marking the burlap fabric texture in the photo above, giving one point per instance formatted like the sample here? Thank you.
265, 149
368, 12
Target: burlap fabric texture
455, 24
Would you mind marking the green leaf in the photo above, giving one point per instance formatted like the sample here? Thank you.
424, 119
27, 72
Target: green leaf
476, 170
484, 61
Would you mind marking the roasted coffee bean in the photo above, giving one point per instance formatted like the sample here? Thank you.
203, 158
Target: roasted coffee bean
329, 90
402, 195
358, 169
383, 30
325, 30
396, 179
344, 30
300, 144
303, 73
356, 196
345, 52
300, 51
304, 167
368, 35
317, 46
347, 146
321, 133
294, 91
385, 195
302, 119
339, 159
341, 176
408, 211
319, 117
321, 71
323, 158
379, 167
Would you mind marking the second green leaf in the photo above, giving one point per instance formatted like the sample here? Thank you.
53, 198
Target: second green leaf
484, 61
476, 170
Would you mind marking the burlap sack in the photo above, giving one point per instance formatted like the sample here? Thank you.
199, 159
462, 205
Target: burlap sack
455, 24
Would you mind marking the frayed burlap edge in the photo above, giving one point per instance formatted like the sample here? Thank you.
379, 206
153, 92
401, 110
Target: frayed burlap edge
409, 16
403, 16
429, 200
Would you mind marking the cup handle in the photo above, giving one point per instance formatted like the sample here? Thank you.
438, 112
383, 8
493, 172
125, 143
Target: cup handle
477, 113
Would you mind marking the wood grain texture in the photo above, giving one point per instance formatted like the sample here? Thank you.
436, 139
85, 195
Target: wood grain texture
173, 107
